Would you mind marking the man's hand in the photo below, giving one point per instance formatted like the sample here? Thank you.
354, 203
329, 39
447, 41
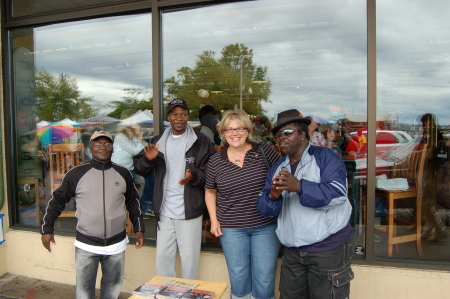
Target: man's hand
139, 239
187, 178
283, 180
151, 151
46, 239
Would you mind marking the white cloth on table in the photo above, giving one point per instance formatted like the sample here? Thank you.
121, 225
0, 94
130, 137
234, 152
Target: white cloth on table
391, 184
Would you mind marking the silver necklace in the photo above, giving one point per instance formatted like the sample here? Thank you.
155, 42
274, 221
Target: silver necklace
238, 160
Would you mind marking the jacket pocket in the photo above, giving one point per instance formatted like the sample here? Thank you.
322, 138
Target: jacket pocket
343, 277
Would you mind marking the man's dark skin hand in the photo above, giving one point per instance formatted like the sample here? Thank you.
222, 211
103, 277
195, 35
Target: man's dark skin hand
46, 239
283, 180
151, 151
187, 178
139, 240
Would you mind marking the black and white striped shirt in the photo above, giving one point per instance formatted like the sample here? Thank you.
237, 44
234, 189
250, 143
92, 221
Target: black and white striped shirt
238, 187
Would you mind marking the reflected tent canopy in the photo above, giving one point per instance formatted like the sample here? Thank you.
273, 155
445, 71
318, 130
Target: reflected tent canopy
101, 118
144, 116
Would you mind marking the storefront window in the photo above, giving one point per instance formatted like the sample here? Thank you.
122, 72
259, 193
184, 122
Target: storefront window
412, 106
69, 80
23, 8
270, 56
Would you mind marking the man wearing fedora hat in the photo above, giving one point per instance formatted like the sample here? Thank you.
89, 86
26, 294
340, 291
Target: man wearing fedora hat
307, 189
179, 157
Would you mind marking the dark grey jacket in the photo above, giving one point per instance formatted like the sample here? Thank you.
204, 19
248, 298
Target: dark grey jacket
102, 194
197, 153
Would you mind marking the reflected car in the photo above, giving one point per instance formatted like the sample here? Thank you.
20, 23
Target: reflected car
388, 144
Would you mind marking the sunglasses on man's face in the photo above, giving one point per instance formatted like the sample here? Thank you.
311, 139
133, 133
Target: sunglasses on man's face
287, 132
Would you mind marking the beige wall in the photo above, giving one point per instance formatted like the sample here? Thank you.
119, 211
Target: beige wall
25, 255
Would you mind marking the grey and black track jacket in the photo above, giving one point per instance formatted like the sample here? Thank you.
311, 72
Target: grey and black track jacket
102, 194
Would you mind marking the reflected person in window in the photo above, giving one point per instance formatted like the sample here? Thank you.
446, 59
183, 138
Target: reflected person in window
435, 229
307, 189
97, 186
234, 178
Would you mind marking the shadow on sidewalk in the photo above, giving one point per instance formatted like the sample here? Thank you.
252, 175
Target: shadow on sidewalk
22, 287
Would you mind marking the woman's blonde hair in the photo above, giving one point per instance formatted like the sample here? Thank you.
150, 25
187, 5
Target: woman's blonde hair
239, 115
128, 131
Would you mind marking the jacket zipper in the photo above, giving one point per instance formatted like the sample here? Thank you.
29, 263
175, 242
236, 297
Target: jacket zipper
104, 204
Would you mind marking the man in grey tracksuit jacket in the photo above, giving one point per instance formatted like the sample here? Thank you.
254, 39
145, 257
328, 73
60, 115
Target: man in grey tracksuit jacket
103, 192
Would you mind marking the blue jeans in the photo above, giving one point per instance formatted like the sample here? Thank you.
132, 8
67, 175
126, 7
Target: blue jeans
318, 275
147, 196
251, 255
112, 274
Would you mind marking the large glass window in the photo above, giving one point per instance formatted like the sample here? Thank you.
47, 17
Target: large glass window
69, 80
412, 106
270, 56
21, 8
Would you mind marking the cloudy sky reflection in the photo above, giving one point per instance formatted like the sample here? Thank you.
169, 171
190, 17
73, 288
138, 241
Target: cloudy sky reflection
315, 52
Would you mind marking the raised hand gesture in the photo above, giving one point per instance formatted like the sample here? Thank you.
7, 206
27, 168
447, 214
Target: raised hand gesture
151, 151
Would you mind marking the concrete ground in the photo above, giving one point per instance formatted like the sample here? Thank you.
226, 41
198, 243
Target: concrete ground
22, 287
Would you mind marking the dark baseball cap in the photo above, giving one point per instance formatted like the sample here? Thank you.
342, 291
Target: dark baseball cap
177, 102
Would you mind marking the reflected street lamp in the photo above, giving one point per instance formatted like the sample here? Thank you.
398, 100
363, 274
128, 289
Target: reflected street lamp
240, 84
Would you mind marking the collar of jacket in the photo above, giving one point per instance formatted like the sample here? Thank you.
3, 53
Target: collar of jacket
99, 165
191, 138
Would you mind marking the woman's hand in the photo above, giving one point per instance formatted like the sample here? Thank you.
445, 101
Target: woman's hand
211, 204
215, 228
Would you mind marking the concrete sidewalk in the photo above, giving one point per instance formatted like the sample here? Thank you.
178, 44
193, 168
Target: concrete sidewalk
22, 287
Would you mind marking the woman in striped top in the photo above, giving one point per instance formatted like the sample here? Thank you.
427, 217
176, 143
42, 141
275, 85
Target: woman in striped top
234, 178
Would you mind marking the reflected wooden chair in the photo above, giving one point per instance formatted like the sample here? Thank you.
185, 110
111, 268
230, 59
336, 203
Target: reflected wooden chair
411, 168
63, 157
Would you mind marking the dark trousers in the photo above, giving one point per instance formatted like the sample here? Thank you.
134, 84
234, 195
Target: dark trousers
321, 275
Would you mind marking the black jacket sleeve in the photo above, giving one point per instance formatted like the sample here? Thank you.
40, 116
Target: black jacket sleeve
57, 203
132, 204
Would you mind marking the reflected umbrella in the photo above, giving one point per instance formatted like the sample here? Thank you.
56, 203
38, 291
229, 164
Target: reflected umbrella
55, 132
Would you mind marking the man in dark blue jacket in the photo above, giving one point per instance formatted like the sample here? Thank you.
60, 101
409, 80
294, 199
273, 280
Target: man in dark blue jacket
307, 189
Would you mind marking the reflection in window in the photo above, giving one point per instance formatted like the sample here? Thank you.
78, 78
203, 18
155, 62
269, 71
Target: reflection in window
312, 59
412, 65
70, 80
23, 8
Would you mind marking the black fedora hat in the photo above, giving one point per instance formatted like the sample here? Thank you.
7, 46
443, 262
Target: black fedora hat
289, 116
